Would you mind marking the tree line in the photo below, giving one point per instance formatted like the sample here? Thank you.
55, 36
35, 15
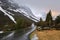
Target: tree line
49, 22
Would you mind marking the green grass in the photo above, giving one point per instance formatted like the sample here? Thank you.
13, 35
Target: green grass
31, 35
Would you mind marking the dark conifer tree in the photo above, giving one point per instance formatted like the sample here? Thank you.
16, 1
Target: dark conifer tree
57, 20
49, 18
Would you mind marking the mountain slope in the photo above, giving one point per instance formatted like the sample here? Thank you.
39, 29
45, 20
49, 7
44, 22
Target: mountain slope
10, 13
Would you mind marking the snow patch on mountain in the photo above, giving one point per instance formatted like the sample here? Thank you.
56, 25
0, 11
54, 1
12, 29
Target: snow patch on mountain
25, 13
5, 13
9, 13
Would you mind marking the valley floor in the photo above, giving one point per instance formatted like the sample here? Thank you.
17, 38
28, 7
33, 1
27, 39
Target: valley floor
46, 35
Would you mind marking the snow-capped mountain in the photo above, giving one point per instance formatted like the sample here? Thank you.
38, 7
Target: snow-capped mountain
10, 9
26, 12
10, 13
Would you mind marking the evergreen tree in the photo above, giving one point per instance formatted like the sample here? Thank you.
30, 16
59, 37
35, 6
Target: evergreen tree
40, 23
57, 20
49, 18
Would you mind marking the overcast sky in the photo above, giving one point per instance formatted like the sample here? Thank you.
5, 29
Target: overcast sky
39, 7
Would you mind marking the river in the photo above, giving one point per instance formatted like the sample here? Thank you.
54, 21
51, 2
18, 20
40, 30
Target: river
25, 36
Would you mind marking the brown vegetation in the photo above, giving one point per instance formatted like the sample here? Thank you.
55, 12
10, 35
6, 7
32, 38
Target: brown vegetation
48, 34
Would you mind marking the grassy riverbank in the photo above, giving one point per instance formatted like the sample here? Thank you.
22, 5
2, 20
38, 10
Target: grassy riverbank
47, 34
31, 35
